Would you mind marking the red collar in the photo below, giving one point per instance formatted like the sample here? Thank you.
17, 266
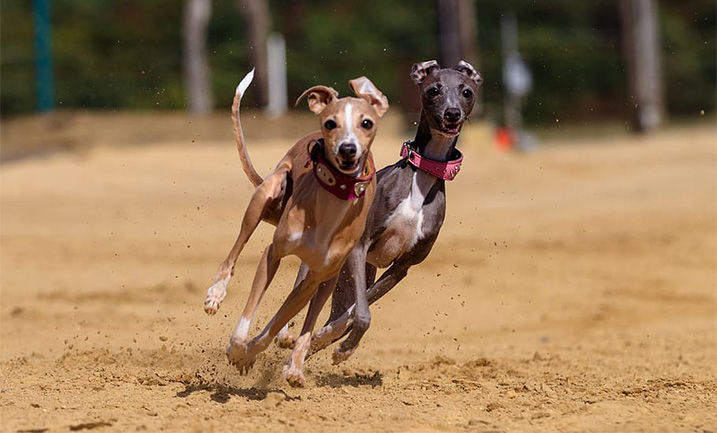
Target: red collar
337, 183
446, 170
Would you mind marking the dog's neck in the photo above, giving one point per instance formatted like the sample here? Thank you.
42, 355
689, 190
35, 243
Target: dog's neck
433, 145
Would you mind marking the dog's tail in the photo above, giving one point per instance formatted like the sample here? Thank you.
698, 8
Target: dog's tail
249, 169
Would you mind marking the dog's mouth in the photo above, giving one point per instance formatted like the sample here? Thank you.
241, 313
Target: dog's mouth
451, 129
347, 166
445, 127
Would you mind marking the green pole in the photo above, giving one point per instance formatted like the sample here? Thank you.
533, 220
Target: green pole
43, 56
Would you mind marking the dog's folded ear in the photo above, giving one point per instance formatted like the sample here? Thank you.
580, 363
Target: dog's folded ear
420, 71
468, 69
364, 89
318, 97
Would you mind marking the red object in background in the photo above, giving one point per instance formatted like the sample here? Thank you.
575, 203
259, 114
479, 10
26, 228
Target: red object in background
504, 139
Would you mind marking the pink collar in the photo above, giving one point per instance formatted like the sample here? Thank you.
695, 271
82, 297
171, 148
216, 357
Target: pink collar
337, 183
446, 170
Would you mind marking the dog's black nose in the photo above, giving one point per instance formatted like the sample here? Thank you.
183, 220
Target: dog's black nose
452, 115
347, 150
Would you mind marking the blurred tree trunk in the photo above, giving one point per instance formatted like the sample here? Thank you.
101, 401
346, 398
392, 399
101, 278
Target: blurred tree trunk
196, 65
641, 44
468, 29
256, 13
457, 32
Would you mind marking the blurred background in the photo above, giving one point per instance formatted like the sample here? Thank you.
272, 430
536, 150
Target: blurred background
629, 63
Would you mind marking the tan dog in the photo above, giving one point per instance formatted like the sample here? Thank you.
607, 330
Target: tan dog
318, 196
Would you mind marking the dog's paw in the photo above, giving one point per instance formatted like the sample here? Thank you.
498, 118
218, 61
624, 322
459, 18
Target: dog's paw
294, 376
215, 296
211, 306
238, 356
341, 355
321, 340
285, 340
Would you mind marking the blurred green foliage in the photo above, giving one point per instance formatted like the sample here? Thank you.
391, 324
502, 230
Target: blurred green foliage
128, 54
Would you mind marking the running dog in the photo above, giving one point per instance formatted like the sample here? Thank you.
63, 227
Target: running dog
318, 197
410, 204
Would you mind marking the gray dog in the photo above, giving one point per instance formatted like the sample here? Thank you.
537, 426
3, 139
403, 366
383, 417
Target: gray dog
409, 207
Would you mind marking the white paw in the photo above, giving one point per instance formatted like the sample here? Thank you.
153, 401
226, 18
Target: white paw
215, 296
294, 376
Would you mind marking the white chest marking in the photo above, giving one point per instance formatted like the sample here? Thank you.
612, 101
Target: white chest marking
409, 213
404, 227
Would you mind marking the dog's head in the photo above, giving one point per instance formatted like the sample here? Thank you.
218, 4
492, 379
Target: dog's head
347, 124
447, 95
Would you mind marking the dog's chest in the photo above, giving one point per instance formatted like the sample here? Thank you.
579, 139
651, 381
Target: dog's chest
324, 239
405, 225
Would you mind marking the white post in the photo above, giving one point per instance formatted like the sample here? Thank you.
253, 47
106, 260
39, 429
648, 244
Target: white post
197, 82
642, 48
276, 54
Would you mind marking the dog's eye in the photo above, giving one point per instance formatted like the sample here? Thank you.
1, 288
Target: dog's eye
433, 91
329, 124
366, 124
467, 93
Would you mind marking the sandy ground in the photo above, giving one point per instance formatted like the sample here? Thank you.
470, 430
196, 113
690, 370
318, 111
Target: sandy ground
572, 289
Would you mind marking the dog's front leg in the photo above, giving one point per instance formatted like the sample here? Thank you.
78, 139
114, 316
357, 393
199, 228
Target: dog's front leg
293, 370
297, 299
284, 339
335, 329
356, 268
238, 349
263, 196
344, 296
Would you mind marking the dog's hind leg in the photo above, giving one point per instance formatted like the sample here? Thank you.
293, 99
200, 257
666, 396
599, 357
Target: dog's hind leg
293, 370
271, 189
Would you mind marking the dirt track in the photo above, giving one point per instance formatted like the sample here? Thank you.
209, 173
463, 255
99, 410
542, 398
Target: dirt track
572, 289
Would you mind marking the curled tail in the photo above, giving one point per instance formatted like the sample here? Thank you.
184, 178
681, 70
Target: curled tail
249, 169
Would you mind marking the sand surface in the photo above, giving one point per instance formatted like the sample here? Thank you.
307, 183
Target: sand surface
571, 289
